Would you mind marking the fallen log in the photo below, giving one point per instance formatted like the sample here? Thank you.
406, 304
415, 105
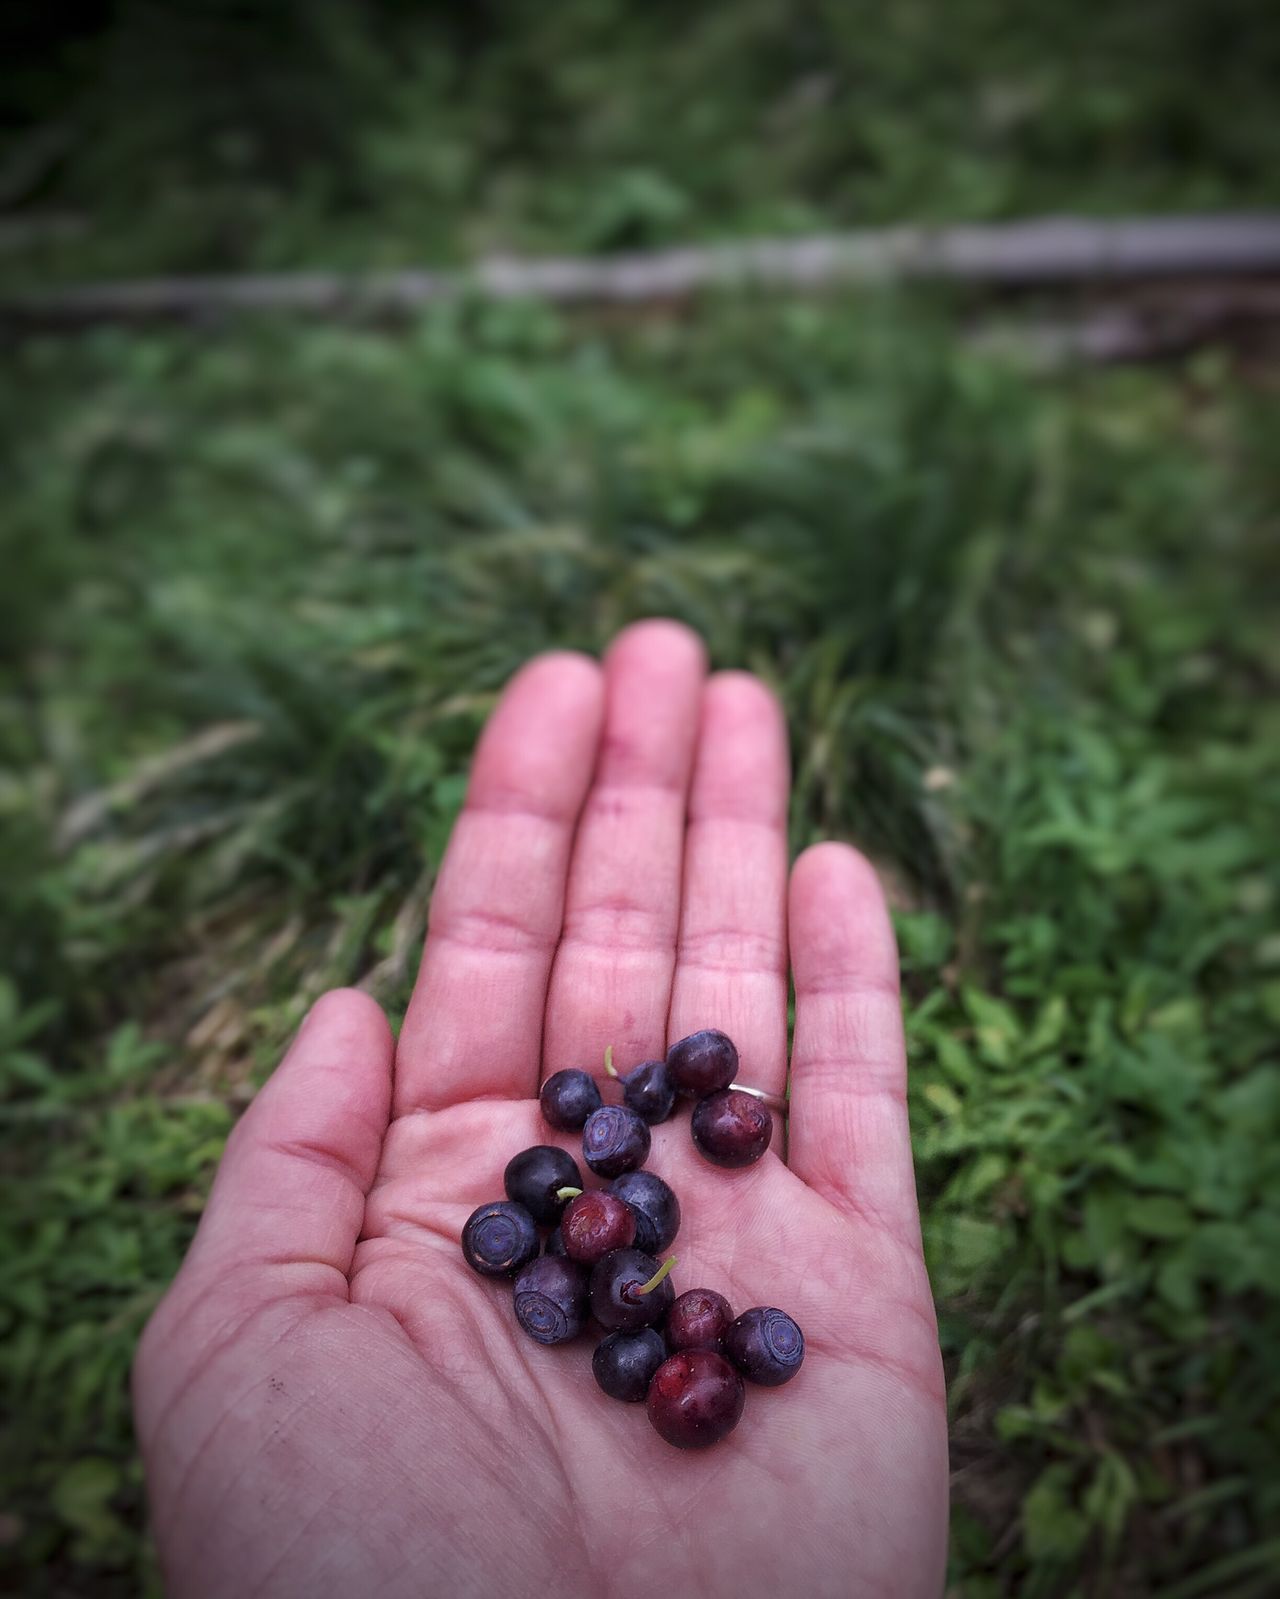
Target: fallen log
1023, 254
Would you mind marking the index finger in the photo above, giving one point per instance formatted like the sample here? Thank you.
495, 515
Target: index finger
474, 1024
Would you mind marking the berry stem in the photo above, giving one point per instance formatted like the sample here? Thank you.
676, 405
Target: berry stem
608, 1061
663, 1271
567, 1193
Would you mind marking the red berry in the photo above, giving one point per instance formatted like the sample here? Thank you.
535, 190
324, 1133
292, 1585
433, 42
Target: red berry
695, 1399
699, 1319
732, 1128
594, 1223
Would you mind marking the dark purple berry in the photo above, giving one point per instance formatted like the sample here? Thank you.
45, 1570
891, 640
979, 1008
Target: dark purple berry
534, 1177
617, 1300
699, 1319
555, 1243
732, 1128
568, 1098
695, 1398
649, 1091
551, 1299
499, 1238
703, 1062
624, 1362
614, 1140
594, 1223
656, 1206
765, 1345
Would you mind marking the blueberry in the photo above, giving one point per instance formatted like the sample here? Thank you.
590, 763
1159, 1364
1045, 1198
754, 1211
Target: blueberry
499, 1238
765, 1345
551, 1299
699, 1319
732, 1128
656, 1206
649, 1091
534, 1177
703, 1062
568, 1098
594, 1223
620, 1295
624, 1362
695, 1398
614, 1140
555, 1243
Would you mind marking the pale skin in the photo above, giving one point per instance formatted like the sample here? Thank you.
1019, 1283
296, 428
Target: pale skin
330, 1402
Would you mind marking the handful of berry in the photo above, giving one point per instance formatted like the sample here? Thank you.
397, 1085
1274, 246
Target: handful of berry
686, 1357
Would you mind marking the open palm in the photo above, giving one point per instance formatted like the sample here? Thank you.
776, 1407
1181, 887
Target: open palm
330, 1402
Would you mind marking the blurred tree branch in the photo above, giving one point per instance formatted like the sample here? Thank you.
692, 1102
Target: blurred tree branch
1237, 253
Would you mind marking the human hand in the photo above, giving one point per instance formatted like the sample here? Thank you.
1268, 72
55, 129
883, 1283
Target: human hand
330, 1402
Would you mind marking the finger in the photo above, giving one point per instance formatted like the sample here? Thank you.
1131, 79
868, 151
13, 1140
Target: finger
849, 1134
731, 964
288, 1202
611, 983
474, 1024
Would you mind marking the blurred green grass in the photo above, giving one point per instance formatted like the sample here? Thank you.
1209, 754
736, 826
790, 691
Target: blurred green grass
270, 584
261, 585
215, 136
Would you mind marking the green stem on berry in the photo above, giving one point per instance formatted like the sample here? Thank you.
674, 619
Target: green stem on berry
567, 1193
663, 1271
608, 1061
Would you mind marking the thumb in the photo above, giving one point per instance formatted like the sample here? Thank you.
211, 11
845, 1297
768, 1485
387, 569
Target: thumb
287, 1205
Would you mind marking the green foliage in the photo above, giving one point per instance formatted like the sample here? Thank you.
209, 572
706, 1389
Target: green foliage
106, 1178
1112, 1121
189, 138
1020, 631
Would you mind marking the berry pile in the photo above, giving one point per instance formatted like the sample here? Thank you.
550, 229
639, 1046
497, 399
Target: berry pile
685, 1357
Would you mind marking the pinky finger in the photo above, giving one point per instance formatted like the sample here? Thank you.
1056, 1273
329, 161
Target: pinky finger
849, 1137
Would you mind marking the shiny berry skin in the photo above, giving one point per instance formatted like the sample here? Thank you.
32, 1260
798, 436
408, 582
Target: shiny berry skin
624, 1362
695, 1398
614, 1140
499, 1238
568, 1098
533, 1176
615, 1302
731, 1128
765, 1345
554, 1244
656, 1206
551, 1299
594, 1223
648, 1090
699, 1319
703, 1062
